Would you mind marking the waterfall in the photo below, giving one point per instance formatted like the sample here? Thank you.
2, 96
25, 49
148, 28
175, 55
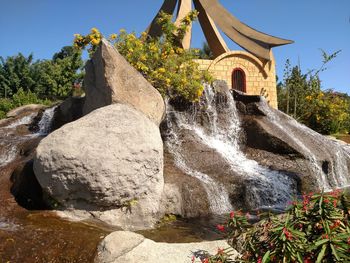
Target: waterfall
46, 121
9, 140
267, 188
216, 193
337, 177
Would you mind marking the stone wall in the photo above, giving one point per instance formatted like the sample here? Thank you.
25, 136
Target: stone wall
260, 76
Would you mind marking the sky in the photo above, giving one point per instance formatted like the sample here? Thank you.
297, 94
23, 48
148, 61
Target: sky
43, 27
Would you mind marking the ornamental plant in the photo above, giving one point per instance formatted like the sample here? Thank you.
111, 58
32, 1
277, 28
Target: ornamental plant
162, 61
313, 229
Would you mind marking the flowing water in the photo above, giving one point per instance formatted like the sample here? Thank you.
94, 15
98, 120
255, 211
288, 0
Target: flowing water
338, 174
46, 121
267, 188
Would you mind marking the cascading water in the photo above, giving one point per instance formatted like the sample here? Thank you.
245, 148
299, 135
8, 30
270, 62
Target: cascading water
266, 187
9, 141
46, 121
337, 176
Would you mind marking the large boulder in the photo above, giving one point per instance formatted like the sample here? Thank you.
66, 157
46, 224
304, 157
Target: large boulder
109, 163
111, 79
123, 246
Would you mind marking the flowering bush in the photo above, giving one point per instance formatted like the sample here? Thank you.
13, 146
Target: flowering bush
162, 61
314, 229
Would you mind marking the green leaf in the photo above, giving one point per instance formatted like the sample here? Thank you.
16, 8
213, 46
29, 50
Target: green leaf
334, 251
321, 242
266, 257
321, 254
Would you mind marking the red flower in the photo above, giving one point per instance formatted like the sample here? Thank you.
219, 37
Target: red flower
193, 258
335, 225
232, 214
259, 260
349, 241
288, 234
206, 260
221, 228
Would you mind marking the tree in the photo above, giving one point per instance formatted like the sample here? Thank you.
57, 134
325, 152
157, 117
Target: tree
52, 79
56, 77
300, 95
16, 73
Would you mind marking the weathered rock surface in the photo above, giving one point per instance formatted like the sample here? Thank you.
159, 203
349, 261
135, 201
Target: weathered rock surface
111, 79
129, 247
103, 163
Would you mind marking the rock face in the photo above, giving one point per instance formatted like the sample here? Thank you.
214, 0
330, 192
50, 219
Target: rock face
111, 79
69, 110
109, 163
133, 248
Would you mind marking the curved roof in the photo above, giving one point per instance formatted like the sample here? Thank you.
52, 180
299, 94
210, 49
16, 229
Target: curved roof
212, 14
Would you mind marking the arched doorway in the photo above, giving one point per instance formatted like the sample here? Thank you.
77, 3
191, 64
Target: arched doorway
238, 80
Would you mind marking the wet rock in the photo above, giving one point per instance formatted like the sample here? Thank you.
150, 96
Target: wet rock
130, 247
109, 163
69, 110
111, 79
26, 188
24, 109
183, 194
319, 162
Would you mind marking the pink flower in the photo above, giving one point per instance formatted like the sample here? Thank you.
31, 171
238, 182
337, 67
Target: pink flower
232, 214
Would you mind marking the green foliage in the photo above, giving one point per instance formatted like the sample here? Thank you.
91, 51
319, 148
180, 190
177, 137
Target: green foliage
300, 96
52, 79
205, 52
314, 229
20, 98
168, 67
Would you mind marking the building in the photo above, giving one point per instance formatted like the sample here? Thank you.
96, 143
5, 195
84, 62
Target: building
251, 70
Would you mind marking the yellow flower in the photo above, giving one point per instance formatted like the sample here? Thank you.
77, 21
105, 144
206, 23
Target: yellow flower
161, 70
94, 30
95, 41
113, 36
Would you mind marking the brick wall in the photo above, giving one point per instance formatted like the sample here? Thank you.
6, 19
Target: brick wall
259, 76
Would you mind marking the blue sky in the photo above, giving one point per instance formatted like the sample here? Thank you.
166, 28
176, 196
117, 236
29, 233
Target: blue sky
44, 26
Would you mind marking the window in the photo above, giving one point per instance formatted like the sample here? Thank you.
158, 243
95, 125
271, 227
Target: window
238, 80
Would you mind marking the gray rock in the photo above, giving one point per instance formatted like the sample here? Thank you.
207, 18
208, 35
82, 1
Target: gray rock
109, 163
23, 109
129, 247
111, 79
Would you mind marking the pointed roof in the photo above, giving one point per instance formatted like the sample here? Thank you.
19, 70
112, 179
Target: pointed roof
212, 15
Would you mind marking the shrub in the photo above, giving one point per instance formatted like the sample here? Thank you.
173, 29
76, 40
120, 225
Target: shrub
20, 98
168, 67
314, 229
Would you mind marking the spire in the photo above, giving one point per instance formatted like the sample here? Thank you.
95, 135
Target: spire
212, 14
